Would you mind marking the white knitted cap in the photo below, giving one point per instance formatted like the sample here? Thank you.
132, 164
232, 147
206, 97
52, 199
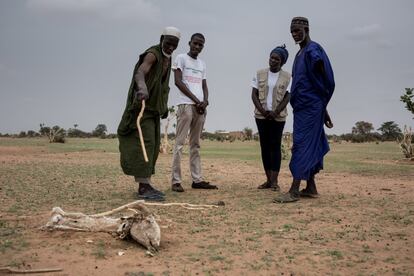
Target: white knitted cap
173, 31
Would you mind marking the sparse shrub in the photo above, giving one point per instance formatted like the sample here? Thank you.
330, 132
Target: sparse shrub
100, 131
407, 98
32, 133
22, 134
406, 143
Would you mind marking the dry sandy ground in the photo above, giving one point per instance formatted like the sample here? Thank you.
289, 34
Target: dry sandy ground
359, 225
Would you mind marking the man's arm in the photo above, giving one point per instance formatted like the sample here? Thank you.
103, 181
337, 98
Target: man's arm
203, 105
143, 69
320, 69
178, 79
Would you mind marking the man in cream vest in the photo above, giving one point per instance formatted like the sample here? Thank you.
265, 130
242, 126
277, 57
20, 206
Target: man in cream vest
270, 97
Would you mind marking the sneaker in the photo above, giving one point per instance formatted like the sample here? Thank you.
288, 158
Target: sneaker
146, 188
147, 192
203, 185
155, 191
177, 187
151, 195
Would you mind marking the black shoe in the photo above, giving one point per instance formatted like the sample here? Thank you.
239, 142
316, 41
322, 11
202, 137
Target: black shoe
155, 191
275, 187
151, 195
203, 185
143, 188
177, 188
265, 185
146, 189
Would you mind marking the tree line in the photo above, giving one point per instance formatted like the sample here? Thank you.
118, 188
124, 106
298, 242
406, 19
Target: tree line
361, 132
364, 132
57, 134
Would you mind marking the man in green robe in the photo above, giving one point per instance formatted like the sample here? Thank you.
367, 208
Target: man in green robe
150, 83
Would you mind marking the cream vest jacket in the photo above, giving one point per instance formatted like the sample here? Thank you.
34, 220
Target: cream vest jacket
278, 92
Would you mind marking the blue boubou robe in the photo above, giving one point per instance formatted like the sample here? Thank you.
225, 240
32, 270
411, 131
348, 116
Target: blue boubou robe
309, 98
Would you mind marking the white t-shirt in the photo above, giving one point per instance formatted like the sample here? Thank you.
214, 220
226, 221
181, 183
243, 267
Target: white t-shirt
271, 82
193, 72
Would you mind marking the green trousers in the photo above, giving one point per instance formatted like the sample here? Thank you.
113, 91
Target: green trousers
132, 157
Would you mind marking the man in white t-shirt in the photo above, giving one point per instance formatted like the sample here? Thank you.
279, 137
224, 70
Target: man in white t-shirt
190, 78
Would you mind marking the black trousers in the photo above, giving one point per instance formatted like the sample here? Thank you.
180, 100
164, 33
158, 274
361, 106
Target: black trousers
270, 132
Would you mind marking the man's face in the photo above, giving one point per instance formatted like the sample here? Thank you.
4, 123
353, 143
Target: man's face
275, 62
169, 44
196, 45
298, 33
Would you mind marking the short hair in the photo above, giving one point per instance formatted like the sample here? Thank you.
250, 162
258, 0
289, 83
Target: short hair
199, 35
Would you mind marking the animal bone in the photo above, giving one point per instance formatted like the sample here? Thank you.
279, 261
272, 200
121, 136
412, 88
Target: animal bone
141, 226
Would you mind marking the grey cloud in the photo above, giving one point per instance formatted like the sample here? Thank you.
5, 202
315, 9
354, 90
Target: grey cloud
109, 9
370, 33
7, 71
385, 44
367, 32
75, 58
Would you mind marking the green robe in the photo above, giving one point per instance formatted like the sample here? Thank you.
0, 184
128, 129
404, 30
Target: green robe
132, 158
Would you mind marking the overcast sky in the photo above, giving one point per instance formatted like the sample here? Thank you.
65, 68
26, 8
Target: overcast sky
66, 62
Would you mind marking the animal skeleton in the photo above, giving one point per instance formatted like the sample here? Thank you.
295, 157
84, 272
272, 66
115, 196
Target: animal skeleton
141, 225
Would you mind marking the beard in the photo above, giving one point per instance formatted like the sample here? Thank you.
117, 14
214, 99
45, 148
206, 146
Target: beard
300, 41
303, 37
165, 54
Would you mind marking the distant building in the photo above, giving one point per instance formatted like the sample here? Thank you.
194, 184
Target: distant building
238, 135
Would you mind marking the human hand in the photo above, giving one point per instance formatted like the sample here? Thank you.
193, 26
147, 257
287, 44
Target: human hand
141, 94
269, 115
165, 115
277, 112
204, 105
200, 108
328, 121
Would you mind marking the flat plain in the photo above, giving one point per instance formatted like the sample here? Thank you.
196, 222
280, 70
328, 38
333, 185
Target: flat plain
362, 224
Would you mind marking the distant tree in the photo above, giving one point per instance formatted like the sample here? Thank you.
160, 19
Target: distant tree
362, 128
208, 135
75, 126
44, 130
100, 131
248, 132
57, 135
390, 131
22, 134
32, 133
407, 98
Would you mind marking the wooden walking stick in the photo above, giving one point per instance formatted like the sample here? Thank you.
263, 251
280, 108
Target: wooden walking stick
141, 138
27, 271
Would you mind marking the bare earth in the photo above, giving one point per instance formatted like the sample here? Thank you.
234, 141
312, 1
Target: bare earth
359, 226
